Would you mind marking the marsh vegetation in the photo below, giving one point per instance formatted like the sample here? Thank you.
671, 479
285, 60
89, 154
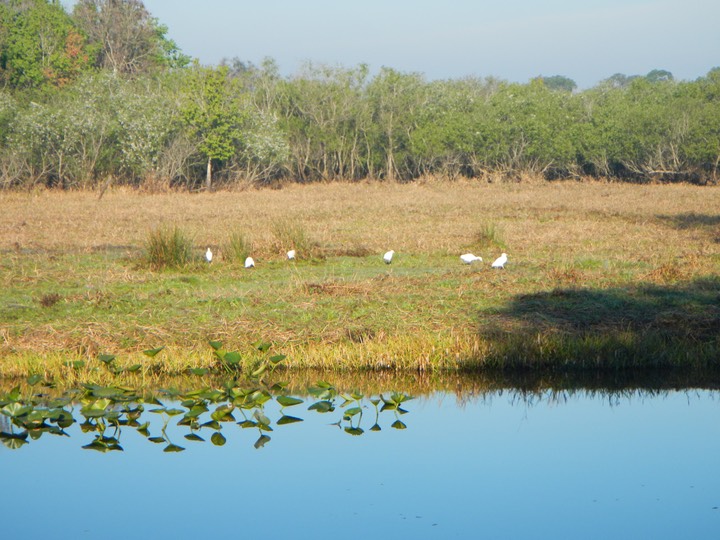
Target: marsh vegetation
600, 276
105, 411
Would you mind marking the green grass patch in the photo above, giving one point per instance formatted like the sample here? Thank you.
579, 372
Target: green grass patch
489, 235
168, 247
238, 247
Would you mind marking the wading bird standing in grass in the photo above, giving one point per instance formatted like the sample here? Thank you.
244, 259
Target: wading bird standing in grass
500, 261
249, 263
291, 255
208, 255
388, 256
469, 258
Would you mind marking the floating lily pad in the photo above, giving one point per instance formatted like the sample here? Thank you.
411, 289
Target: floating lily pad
287, 401
15, 410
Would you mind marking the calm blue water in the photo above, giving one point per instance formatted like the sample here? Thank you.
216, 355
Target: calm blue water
498, 466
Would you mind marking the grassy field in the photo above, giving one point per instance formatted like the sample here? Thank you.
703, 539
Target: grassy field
599, 276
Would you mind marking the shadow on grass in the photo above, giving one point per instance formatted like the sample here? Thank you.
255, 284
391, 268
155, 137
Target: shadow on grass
693, 221
630, 327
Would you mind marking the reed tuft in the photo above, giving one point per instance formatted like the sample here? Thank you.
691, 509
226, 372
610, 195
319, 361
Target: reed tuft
490, 235
238, 247
168, 247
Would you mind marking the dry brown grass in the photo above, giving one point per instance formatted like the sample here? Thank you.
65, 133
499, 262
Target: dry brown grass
558, 235
554, 220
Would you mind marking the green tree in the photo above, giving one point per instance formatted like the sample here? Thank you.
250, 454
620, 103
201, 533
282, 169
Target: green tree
395, 98
533, 129
559, 83
451, 136
8, 110
212, 112
320, 110
39, 44
659, 75
701, 148
618, 80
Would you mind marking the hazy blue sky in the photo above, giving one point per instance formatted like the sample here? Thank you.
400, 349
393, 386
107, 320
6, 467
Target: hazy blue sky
586, 40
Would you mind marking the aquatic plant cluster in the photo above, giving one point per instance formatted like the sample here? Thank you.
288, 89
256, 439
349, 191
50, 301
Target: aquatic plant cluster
105, 411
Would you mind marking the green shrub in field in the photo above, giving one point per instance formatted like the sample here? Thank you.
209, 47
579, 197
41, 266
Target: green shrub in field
168, 247
238, 247
489, 236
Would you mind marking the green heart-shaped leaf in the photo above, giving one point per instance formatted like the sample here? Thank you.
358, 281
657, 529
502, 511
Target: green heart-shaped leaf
217, 439
322, 407
285, 420
173, 448
287, 401
32, 380
153, 352
262, 441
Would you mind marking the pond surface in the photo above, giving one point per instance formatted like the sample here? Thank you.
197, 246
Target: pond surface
498, 464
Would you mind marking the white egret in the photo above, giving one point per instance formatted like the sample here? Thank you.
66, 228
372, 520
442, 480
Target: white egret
469, 258
249, 263
208, 255
500, 261
291, 254
388, 256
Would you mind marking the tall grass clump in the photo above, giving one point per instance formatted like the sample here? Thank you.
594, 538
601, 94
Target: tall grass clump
238, 247
490, 235
292, 235
168, 247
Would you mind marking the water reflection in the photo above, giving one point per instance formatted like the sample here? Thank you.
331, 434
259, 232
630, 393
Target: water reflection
518, 456
171, 418
182, 413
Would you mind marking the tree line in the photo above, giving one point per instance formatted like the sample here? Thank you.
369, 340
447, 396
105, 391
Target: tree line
100, 94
